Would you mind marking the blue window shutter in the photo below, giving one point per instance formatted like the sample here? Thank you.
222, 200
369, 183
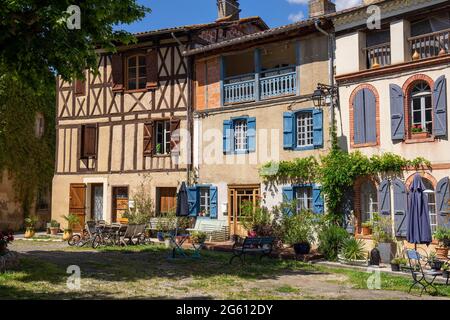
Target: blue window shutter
442, 203
358, 118
288, 197
397, 112
318, 202
288, 130
384, 198
400, 207
370, 116
227, 136
318, 128
193, 201
213, 202
251, 134
440, 107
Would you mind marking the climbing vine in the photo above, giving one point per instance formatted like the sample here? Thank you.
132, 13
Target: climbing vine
337, 171
28, 158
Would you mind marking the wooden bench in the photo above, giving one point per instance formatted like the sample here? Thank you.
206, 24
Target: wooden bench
216, 230
259, 245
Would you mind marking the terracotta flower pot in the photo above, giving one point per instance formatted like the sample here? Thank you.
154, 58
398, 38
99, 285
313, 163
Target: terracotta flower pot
419, 135
29, 233
67, 235
442, 253
366, 231
54, 231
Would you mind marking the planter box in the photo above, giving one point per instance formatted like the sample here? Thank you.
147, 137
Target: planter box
387, 252
419, 135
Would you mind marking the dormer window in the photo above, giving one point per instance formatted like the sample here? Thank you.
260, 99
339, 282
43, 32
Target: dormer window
136, 72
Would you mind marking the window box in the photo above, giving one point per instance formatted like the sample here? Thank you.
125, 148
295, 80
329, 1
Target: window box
420, 135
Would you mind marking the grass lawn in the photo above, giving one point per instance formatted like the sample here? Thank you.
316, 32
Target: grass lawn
146, 273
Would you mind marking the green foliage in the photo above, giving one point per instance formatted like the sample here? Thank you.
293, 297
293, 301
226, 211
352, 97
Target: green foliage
35, 37
257, 218
72, 221
399, 261
298, 227
167, 223
443, 236
367, 224
143, 209
337, 172
353, 250
331, 237
30, 221
54, 224
29, 158
382, 229
198, 237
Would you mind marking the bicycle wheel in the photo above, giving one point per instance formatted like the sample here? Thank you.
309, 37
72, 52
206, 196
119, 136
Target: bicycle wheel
97, 241
74, 240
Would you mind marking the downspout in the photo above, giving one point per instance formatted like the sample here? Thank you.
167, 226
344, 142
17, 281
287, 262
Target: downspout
331, 64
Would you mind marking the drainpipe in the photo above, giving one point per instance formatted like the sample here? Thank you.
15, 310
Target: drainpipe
331, 63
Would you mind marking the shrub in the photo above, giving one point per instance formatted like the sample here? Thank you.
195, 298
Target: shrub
72, 221
382, 232
54, 224
30, 222
258, 219
353, 249
198, 237
331, 238
443, 236
298, 227
399, 261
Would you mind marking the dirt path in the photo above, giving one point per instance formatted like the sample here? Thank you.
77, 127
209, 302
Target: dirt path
144, 275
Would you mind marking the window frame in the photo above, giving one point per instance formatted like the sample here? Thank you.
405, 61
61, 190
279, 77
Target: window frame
367, 209
83, 155
138, 76
307, 197
166, 137
296, 130
204, 192
421, 96
432, 205
243, 135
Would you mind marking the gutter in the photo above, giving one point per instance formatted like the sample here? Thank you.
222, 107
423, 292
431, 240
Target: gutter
331, 63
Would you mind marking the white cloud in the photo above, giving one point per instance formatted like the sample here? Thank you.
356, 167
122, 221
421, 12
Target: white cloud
343, 4
294, 17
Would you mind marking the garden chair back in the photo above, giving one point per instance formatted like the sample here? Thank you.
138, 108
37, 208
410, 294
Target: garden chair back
419, 275
91, 228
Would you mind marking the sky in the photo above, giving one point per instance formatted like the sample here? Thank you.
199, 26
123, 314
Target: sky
172, 13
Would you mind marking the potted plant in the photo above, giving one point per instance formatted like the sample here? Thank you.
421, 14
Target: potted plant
434, 262
397, 263
352, 251
382, 235
72, 221
198, 237
418, 132
298, 231
443, 236
256, 219
30, 224
366, 228
54, 227
446, 270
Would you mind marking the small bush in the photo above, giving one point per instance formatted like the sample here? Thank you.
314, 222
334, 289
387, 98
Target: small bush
331, 238
353, 250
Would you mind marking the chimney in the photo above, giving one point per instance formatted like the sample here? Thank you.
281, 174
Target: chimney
228, 10
320, 7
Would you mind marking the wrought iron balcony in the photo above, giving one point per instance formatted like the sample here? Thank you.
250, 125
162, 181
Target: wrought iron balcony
272, 83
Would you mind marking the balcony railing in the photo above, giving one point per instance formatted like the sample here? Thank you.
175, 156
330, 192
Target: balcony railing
278, 82
378, 56
272, 83
430, 44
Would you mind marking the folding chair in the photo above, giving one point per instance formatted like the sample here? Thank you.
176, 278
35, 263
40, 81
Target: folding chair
127, 238
419, 275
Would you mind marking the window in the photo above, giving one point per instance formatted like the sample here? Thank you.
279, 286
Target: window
364, 117
43, 199
429, 191
136, 72
80, 87
369, 201
421, 108
88, 141
304, 198
305, 130
205, 201
240, 135
162, 130
39, 125
119, 203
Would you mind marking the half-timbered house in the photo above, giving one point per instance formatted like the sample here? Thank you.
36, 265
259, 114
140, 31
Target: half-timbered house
128, 123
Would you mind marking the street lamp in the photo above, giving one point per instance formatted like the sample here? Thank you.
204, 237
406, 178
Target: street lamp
322, 93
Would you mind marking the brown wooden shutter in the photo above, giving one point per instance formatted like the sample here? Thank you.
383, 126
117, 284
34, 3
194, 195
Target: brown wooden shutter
117, 72
80, 87
152, 69
89, 141
77, 204
148, 139
174, 136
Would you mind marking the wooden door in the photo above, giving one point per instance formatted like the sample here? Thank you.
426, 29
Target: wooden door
236, 198
77, 204
167, 200
119, 204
